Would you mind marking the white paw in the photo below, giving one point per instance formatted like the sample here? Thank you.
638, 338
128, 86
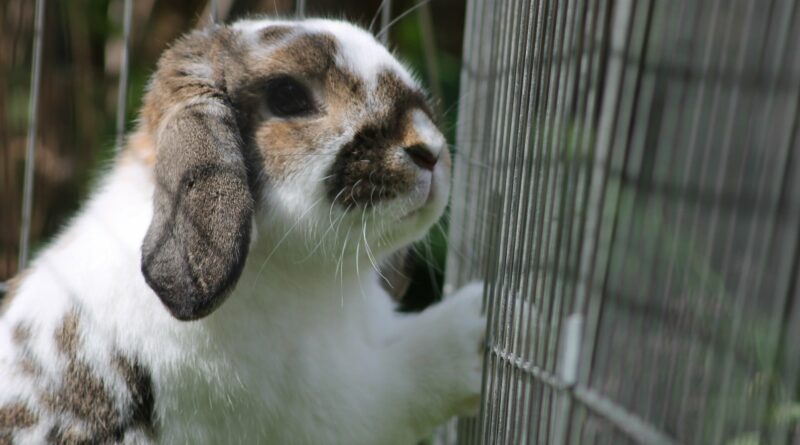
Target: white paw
460, 339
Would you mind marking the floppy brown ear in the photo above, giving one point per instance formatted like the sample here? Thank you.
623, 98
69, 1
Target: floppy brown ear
197, 242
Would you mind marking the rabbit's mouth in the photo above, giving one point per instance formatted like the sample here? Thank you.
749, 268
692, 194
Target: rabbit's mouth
428, 196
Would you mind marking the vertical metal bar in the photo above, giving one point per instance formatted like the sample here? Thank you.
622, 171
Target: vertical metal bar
764, 176
785, 363
709, 166
549, 27
709, 54
122, 89
500, 187
429, 49
783, 311
631, 142
567, 331
495, 334
781, 207
486, 74
386, 17
690, 21
521, 223
556, 199
515, 229
595, 230
530, 197
586, 72
213, 7
675, 22
605, 329
300, 8
30, 148
463, 221
541, 74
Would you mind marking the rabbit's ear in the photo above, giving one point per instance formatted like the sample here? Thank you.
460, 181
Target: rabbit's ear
197, 242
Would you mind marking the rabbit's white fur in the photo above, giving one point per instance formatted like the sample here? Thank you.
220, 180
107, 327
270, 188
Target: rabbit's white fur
308, 348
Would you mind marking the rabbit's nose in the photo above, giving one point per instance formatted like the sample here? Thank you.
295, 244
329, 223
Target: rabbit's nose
422, 156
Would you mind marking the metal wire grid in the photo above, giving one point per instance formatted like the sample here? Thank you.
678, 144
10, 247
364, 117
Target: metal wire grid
626, 180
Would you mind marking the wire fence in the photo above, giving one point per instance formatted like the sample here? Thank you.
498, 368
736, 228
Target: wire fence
628, 181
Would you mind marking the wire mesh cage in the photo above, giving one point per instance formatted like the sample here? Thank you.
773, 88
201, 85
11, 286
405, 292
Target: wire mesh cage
628, 184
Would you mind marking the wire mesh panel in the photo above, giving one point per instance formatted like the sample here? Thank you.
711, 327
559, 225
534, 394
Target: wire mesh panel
627, 182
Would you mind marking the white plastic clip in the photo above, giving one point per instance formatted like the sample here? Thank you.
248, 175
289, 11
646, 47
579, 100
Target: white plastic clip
573, 330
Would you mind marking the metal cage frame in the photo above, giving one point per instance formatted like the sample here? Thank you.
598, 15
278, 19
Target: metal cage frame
637, 291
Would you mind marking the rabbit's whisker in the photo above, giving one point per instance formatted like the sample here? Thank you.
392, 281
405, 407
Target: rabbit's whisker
400, 17
375, 16
286, 235
322, 239
340, 265
358, 270
370, 256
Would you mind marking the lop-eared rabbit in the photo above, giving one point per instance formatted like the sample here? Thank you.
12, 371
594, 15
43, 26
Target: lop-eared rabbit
220, 285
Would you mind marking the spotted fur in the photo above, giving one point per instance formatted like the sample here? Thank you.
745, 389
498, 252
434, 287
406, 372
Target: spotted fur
77, 403
221, 285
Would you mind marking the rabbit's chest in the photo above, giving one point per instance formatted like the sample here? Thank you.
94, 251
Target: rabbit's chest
283, 378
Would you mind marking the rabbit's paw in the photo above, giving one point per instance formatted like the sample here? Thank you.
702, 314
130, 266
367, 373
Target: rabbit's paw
457, 347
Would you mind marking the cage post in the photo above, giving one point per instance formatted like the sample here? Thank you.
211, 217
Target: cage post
429, 48
386, 17
122, 93
214, 11
30, 148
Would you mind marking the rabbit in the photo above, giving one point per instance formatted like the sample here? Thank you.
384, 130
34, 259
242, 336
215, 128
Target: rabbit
220, 284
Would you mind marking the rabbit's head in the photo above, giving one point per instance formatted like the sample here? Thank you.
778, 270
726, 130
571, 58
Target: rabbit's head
309, 130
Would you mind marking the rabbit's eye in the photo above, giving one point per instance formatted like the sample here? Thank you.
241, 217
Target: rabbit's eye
286, 97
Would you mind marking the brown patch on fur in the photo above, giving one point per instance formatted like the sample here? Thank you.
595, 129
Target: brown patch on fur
67, 336
29, 366
345, 91
16, 416
310, 58
202, 64
85, 396
400, 97
72, 435
283, 145
81, 393
21, 334
308, 55
273, 34
88, 411
367, 169
140, 386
